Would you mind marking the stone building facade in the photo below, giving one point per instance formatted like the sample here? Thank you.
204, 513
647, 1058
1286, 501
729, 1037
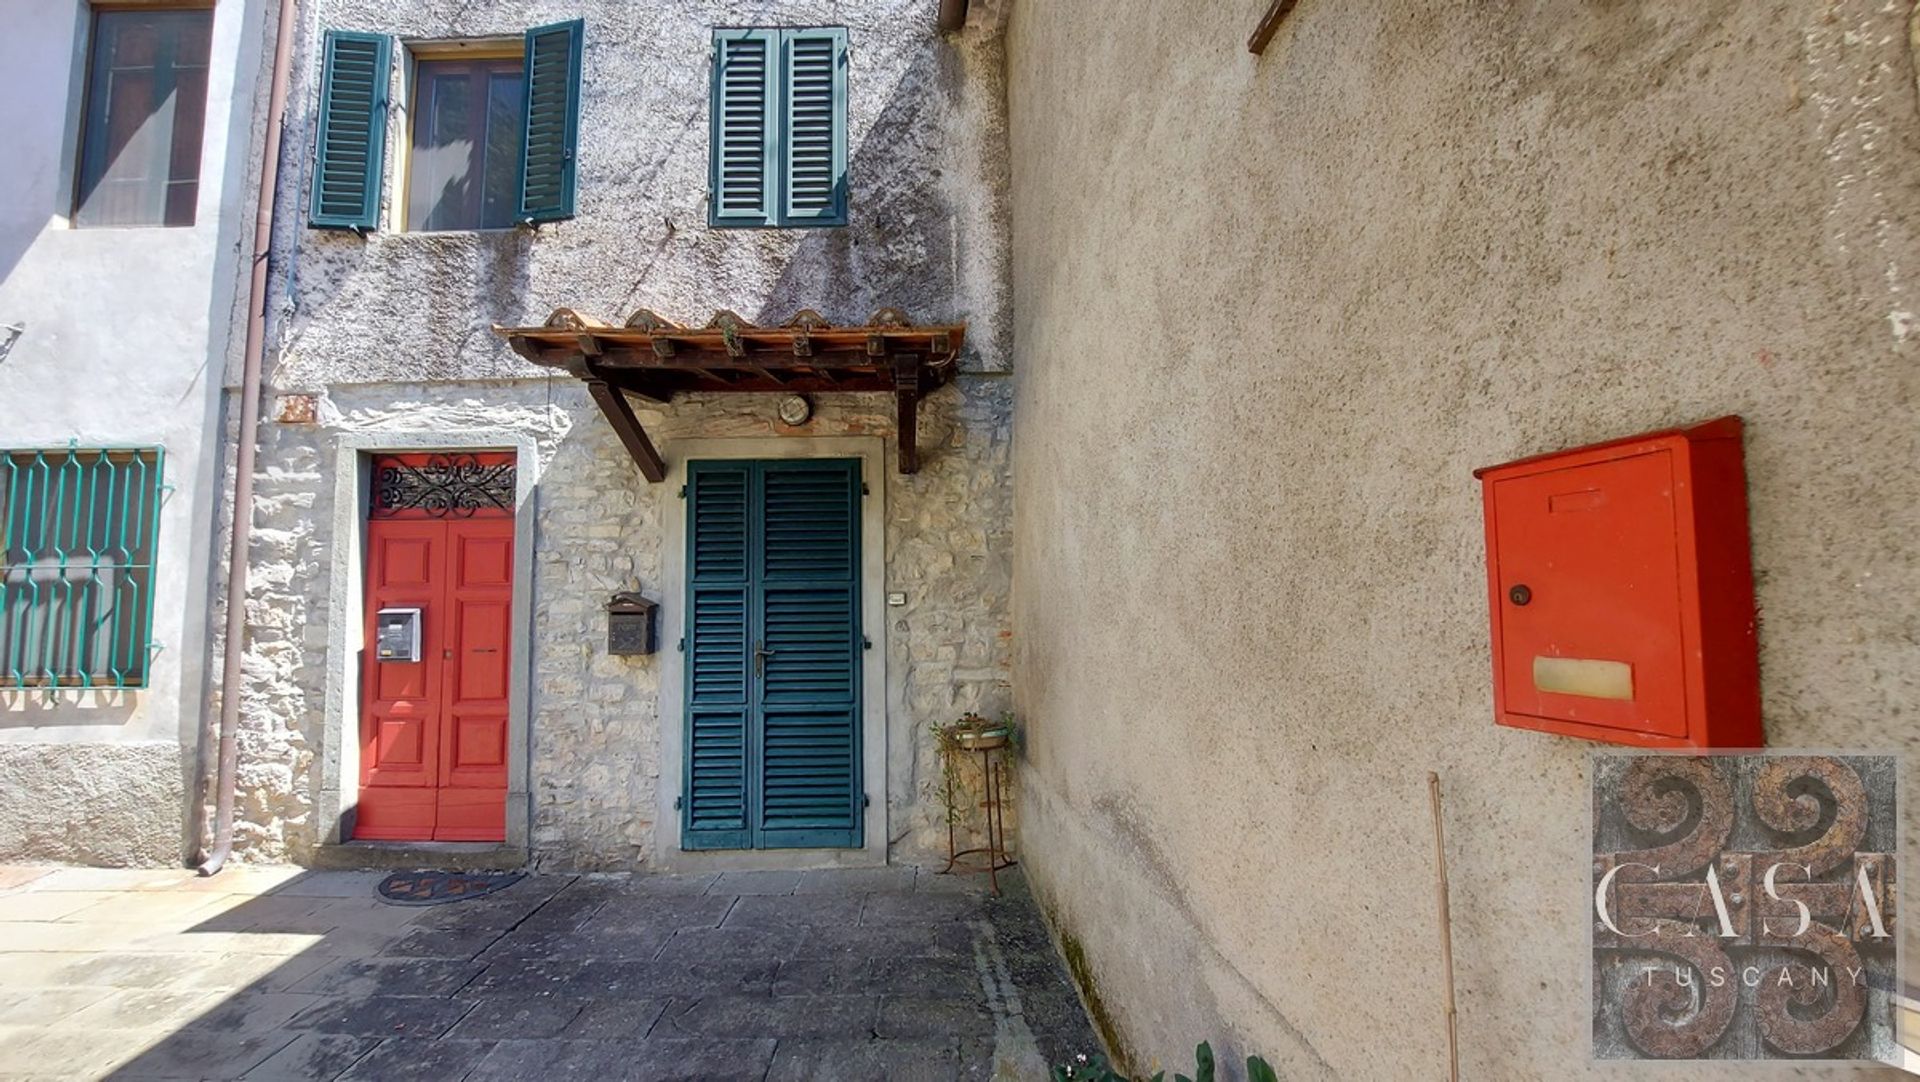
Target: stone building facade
122, 288
381, 344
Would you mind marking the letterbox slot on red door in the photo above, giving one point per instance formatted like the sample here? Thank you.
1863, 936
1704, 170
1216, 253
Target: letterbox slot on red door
1620, 588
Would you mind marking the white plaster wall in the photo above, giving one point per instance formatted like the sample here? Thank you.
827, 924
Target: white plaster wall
125, 334
1271, 313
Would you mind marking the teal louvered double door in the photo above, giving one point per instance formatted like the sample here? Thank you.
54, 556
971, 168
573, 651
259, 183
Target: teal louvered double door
773, 656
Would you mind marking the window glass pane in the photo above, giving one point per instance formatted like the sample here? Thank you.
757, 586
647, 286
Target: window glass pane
76, 567
504, 122
465, 169
146, 109
442, 150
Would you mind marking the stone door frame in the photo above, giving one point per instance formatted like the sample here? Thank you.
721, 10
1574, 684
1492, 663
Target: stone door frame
337, 759
871, 451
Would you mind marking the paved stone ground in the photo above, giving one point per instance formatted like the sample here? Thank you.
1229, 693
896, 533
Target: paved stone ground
278, 973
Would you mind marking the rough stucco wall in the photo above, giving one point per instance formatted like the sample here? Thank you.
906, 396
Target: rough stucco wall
595, 767
119, 329
1414, 239
926, 162
113, 805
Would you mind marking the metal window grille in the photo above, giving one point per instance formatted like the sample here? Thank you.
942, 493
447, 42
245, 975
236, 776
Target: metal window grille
77, 534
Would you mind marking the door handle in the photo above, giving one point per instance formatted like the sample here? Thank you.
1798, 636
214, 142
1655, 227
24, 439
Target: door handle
760, 656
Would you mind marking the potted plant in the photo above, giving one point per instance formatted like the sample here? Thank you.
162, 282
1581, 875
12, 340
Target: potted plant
975, 733
972, 733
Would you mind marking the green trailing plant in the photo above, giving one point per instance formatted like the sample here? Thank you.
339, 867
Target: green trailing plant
949, 748
946, 738
1097, 1069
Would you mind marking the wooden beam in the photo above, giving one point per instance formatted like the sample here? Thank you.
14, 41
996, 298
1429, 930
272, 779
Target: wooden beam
641, 384
1269, 25
802, 385
755, 363
952, 16
528, 348
906, 394
613, 403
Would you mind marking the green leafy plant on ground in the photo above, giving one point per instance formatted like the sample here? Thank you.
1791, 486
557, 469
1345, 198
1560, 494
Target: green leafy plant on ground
1096, 1069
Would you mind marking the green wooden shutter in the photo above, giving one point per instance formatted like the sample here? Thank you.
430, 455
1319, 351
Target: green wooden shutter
773, 747
714, 783
351, 146
808, 557
742, 174
813, 128
548, 151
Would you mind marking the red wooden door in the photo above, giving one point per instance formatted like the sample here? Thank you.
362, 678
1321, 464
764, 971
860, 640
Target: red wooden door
433, 747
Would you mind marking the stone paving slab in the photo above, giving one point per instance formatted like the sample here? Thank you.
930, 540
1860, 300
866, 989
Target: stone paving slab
279, 973
15, 878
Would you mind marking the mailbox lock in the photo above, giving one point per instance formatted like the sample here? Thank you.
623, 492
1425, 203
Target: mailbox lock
1520, 594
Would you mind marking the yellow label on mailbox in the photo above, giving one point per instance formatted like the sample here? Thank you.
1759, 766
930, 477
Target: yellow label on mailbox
1583, 676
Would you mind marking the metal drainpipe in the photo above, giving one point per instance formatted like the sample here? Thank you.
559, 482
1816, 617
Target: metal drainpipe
953, 15
229, 766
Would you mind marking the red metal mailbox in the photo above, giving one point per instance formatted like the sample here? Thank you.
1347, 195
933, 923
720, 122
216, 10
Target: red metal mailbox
1620, 586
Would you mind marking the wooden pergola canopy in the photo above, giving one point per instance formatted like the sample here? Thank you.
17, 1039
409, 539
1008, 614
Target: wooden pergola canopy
656, 359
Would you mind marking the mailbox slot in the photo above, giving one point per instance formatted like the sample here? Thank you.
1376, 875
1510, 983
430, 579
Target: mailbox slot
396, 635
631, 628
1620, 591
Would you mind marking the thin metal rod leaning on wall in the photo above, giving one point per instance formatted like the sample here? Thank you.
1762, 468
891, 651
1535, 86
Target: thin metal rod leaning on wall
1446, 926
229, 764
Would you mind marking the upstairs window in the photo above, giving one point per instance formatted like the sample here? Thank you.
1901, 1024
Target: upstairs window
493, 140
145, 112
779, 131
464, 168
77, 534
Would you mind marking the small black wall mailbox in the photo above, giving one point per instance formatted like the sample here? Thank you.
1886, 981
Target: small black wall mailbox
630, 625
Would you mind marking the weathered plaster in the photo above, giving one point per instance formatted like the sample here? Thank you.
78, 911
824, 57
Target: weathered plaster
107, 338
93, 802
927, 164
1410, 240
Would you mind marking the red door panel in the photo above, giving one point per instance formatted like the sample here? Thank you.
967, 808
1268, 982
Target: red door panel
399, 750
433, 748
474, 753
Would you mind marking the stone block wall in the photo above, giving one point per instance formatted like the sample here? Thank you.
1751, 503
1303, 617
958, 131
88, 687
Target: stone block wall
594, 763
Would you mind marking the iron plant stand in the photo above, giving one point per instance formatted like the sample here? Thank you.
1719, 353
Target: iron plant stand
993, 770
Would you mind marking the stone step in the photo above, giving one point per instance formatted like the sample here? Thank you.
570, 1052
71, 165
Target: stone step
461, 856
